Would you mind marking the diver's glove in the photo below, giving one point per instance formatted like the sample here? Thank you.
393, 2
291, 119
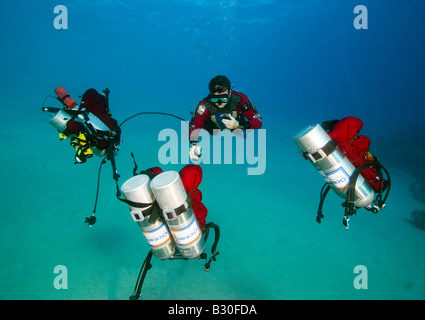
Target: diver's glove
195, 151
231, 124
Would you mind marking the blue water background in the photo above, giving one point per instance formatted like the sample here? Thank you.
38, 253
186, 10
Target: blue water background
300, 62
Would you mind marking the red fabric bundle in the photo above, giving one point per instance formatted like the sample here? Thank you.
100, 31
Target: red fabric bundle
191, 176
355, 147
155, 170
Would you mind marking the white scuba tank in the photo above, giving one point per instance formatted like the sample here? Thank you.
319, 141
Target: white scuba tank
59, 120
149, 219
178, 213
332, 164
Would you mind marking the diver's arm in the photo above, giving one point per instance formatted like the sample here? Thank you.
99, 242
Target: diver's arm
198, 121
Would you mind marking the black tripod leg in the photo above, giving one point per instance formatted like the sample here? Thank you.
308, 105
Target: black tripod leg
141, 278
214, 251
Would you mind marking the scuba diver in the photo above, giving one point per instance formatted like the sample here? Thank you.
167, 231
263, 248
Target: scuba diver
89, 125
223, 108
342, 157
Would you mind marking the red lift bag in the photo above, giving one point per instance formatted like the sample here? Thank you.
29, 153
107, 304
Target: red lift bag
356, 148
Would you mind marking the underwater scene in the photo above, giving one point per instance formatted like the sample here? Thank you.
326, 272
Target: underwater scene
73, 224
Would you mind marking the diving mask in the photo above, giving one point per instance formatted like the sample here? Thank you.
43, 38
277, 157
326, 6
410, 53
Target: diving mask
222, 98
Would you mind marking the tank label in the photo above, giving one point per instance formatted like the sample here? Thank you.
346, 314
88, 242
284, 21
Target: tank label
187, 235
340, 178
157, 237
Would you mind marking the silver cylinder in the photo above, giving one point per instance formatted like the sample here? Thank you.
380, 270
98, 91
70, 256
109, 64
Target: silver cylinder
60, 119
172, 198
334, 167
149, 219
